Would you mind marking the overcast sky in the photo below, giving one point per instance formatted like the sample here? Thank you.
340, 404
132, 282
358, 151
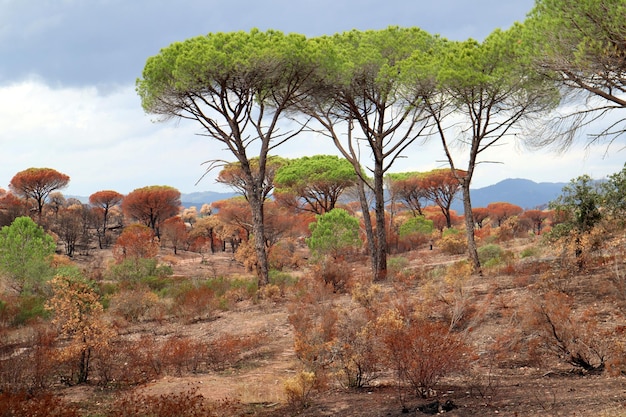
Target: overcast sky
68, 71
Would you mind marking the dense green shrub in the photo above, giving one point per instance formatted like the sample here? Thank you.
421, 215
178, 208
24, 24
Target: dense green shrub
134, 271
416, 225
26, 252
29, 308
333, 233
528, 252
282, 279
490, 254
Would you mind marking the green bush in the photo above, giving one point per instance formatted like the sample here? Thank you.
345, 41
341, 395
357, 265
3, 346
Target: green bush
26, 252
397, 265
282, 279
416, 225
107, 291
30, 307
491, 263
334, 233
247, 287
437, 272
233, 288
528, 252
137, 270
219, 285
157, 283
451, 232
490, 255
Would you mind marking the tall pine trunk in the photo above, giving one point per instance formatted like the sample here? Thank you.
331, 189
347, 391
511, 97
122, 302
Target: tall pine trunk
258, 232
367, 220
380, 272
472, 249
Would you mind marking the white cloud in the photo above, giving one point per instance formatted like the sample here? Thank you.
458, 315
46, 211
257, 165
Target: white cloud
101, 141
107, 142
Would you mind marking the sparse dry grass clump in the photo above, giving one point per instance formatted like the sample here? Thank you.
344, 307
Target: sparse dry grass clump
27, 404
184, 404
299, 388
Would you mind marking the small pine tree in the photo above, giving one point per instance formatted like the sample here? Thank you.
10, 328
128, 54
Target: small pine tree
26, 252
334, 232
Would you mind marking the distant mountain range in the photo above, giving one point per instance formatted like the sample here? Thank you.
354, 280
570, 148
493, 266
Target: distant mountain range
524, 193
204, 197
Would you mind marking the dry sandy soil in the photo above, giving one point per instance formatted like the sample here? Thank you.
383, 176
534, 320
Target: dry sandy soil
552, 389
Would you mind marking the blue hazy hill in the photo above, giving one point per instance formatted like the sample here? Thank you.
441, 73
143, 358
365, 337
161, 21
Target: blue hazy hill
522, 192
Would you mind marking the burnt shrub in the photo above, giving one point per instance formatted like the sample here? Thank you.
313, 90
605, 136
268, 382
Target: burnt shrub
554, 325
335, 272
183, 404
39, 404
421, 352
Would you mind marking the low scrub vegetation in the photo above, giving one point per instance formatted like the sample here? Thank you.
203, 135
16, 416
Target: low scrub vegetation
125, 327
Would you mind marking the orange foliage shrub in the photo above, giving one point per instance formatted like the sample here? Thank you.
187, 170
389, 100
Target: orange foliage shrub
195, 303
78, 315
331, 341
356, 349
228, 350
135, 242
246, 254
283, 255
421, 352
483, 232
379, 330
133, 305
453, 243
182, 354
298, 389
271, 292
333, 272
314, 320
411, 241
8, 309
132, 362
